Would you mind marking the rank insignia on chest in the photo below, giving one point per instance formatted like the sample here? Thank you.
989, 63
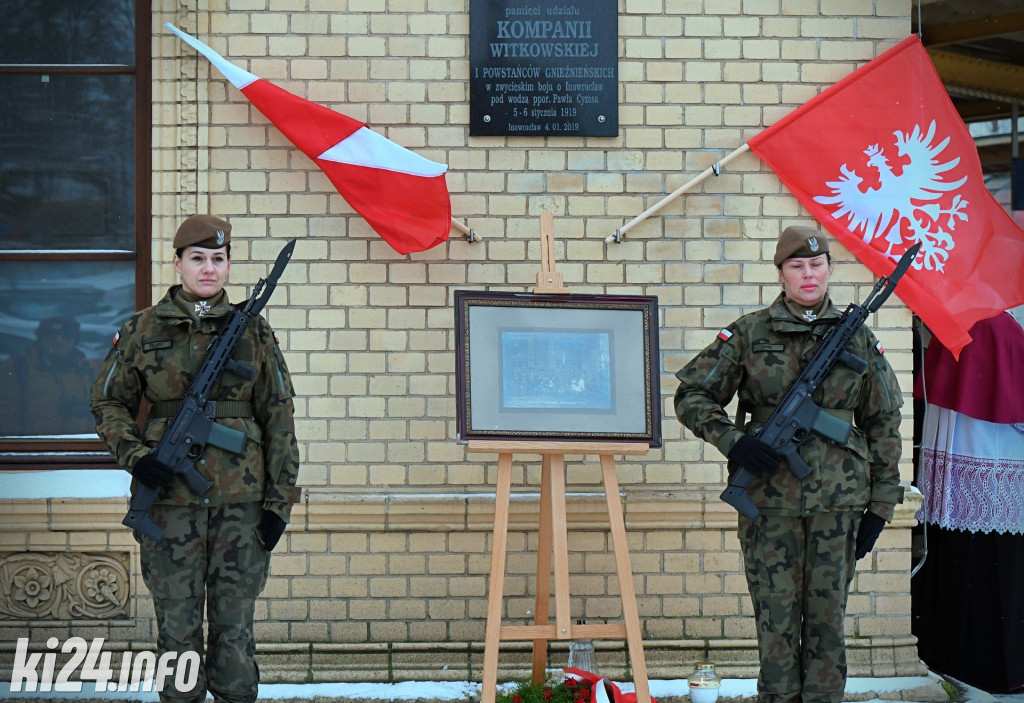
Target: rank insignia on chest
810, 316
202, 307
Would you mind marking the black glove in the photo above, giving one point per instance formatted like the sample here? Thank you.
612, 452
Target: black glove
153, 474
270, 529
870, 527
755, 456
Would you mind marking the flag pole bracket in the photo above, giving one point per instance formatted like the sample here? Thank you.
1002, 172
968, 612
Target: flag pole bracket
469, 232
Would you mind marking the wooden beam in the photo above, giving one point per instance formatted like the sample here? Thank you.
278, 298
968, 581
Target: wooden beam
973, 30
972, 110
959, 70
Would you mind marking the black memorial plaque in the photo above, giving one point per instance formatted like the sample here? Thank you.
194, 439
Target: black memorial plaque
543, 68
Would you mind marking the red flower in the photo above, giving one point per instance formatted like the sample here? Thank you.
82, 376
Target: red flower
547, 694
517, 699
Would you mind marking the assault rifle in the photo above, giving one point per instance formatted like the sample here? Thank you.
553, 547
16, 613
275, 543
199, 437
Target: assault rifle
193, 427
791, 422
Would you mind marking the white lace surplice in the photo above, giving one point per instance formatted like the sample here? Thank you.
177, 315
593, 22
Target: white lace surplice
971, 473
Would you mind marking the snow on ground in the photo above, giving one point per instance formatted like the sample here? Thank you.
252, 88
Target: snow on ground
463, 691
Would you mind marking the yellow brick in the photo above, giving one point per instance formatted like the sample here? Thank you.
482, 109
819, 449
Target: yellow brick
368, 333
703, 26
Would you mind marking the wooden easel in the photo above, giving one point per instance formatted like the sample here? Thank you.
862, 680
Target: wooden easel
553, 540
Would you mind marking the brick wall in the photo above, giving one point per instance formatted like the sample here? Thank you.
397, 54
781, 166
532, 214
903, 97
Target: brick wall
385, 566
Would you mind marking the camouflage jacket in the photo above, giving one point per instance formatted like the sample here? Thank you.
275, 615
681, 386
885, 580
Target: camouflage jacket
758, 357
155, 357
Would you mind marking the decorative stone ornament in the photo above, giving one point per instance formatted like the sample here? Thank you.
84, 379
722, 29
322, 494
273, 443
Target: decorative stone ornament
63, 586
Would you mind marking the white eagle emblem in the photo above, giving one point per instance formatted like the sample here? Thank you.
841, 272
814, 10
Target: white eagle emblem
914, 196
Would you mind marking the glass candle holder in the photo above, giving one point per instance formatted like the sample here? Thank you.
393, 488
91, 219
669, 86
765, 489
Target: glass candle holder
581, 656
704, 684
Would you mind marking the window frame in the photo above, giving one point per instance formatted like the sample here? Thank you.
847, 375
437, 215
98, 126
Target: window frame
18, 454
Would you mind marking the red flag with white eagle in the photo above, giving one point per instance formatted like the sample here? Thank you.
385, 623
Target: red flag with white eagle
400, 194
883, 160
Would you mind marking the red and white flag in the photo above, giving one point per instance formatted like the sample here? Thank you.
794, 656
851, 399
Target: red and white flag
883, 160
401, 195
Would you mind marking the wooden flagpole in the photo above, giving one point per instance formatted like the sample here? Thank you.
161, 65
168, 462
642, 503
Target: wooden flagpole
714, 169
470, 234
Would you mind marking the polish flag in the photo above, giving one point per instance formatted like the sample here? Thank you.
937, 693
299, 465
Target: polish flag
401, 195
883, 161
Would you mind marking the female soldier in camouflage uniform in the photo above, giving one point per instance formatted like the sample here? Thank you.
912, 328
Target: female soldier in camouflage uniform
800, 552
216, 547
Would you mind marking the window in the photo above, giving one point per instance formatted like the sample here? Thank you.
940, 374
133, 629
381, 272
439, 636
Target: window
74, 213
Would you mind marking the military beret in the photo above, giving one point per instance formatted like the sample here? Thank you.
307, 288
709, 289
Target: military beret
204, 231
800, 242
62, 326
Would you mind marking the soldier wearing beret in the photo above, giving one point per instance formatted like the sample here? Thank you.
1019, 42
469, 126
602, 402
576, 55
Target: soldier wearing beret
44, 388
800, 552
215, 553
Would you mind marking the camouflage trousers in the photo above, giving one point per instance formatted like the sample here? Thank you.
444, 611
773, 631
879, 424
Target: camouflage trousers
799, 571
208, 559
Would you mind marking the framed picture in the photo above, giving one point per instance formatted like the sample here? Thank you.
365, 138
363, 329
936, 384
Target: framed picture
557, 367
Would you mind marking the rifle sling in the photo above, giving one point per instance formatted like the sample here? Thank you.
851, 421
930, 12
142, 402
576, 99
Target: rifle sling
225, 408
